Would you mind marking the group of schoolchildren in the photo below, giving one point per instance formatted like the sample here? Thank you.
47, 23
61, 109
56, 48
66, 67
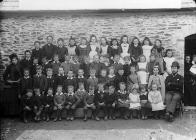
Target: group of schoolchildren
129, 79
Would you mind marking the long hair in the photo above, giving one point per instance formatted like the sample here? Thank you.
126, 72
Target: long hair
148, 39
139, 43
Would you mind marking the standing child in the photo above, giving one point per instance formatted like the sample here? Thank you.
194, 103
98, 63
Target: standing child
45, 64
114, 49
85, 66
89, 103
125, 46
142, 72
61, 50
55, 64
50, 80
120, 77
37, 51
70, 103
117, 65
133, 78
60, 78
71, 48
59, 101
27, 105
81, 78
169, 59
123, 101
156, 101
66, 64
147, 46
97, 65
126, 65
94, 47
158, 80
92, 80
70, 81
48, 104
104, 47
134, 102
152, 63
100, 101
111, 76
34, 65
103, 77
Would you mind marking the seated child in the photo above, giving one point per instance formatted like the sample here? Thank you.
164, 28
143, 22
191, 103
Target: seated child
89, 103
85, 66
126, 66
70, 81
103, 77
111, 102
49, 79
111, 76
133, 78
134, 102
48, 104
38, 104
70, 103
59, 101
81, 78
156, 101
100, 101
80, 93
92, 80
55, 64
117, 65
123, 101
120, 77
60, 78
145, 105
27, 105
66, 64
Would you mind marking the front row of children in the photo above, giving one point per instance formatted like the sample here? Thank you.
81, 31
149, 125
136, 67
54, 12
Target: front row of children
135, 102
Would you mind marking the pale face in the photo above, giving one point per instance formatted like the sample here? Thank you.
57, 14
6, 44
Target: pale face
93, 40
49, 73
154, 87
92, 73
59, 89
56, 58
96, 58
103, 41
70, 74
158, 43
37, 92
103, 73
146, 42
169, 54
111, 90
80, 72
122, 86
72, 42
39, 71
49, 40
81, 86
132, 69
70, 89
117, 58
121, 72
152, 58
28, 55
60, 43
111, 72
143, 90
114, 42
14, 61
142, 59
83, 42
125, 40
35, 61
26, 73
188, 59
50, 92
100, 87
61, 71
37, 46
174, 69
29, 94
156, 71
135, 42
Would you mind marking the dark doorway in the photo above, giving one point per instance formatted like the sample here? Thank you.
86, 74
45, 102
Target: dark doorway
189, 78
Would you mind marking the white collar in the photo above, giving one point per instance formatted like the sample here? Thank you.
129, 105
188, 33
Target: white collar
61, 75
83, 90
145, 93
100, 91
70, 94
55, 62
26, 77
92, 77
122, 92
59, 93
70, 78
49, 77
111, 76
80, 76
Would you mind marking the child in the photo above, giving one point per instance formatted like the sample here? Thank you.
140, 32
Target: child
135, 50
66, 64
134, 102
152, 63
83, 49
61, 50
38, 104
37, 52
70, 103
27, 105
59, 101
96, 65
85, 66
133, 78
126, 65
145, 105
100, 101
75, 64
55, 64
156, 101
48, 104
50, 80
169, 59
92, 80
103, 77
142, 72
71, 48
45, 64
117, 65
111, 76
60, 78
111, 102
158, 80
26, 82
120, 78
94, 47
26, 63
114, 49
33, 67
80, 93
70, 81
39, 80
147, 46
125, 46
89, 103
123, 101
104, 47
81, 78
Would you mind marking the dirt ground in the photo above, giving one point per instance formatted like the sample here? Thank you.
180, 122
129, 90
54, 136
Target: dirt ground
181, 129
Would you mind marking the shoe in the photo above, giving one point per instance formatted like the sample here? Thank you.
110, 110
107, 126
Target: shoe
47, 119
67, 118
97, 118
109, 117
125, 117
105, 118
55, 119
171, 118
60, 119
114, 118
72, 118
25, 120
167, 116
85, 118
143, 118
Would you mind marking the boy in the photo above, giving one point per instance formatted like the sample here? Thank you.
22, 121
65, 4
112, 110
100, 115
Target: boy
100, 101
70, 103
61, 49
26, 63
85, 66
37, 51
81, 78
60, 78
70, 81
26, 82
59, 101
96, 65
92, 80
126, 66
49, 79
80, 93
55, 64
89, 103
120, 78
27, 105
103, 77
33, 66
39, 80
117, 65
38, 104
66, 64
111, 102
45, 65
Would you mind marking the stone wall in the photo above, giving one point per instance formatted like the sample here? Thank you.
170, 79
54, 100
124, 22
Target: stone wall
19, 31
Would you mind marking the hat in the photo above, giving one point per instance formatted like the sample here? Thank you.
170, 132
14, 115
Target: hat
175, 64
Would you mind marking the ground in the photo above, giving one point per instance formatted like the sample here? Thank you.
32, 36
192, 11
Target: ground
183, 128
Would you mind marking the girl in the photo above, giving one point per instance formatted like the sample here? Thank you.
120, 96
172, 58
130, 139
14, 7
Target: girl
156, 101
61, 49
158, 80
111, 76
123, 100
83, 49
66, 64
55, 64
135, 50
71, 48
133, 78
142, 72
114, 49
94, 47
147, 46
169, 59
126, 65
159, 54
125, 46
134, 101
104, 47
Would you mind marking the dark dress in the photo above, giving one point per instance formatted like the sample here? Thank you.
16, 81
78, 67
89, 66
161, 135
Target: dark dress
9, 97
